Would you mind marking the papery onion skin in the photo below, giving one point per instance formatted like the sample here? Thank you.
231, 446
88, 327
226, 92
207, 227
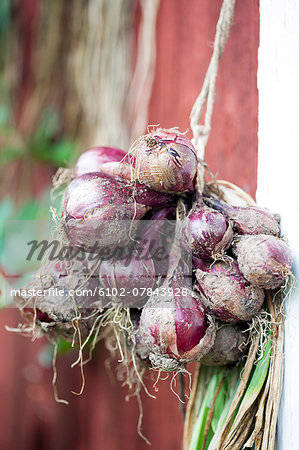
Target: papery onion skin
175, 328
76, 182
226, 294
131, 281
264, 260
101, 208
247, 220
206, 232
117, 169
55, 311
92, 159
166, 161
229, 345
134, 341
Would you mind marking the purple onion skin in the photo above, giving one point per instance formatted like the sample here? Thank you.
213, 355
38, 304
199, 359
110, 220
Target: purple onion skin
100, 210
92, 159
166, 162
226, 294
247, 220
207, 233
175, 328
96, 206
157, 236
148, 197
140, 193
264, 260
198, 263
131, 281
229, 346
76, 182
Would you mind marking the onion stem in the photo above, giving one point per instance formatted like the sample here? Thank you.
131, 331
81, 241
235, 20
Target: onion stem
198, 434
219, 394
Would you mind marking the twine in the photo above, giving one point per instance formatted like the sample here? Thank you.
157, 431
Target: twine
142, 83
207, 95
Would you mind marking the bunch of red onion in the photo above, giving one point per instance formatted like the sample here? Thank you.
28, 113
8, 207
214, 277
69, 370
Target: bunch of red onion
194, 275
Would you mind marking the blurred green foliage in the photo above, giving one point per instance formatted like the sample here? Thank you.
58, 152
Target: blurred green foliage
46, 145
4, 15
31, 210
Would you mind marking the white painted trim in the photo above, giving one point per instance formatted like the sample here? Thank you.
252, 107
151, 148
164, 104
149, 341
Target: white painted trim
278, 172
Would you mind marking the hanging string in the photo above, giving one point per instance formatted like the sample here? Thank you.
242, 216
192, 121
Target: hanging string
143, 79
201, 132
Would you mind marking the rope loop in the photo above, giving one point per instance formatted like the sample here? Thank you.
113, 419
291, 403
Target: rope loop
201, 132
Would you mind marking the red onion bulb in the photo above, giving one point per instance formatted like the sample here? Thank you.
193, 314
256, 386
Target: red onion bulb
55, 310
206, 232
226, 294
131, 282
264, 260
166, 162
92, 159
230, 344
247, 220
100, 208
174, 326
76, 182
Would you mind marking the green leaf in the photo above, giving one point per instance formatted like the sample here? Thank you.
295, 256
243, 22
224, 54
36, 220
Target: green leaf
197, 438
258, 376
214, 442
219, 405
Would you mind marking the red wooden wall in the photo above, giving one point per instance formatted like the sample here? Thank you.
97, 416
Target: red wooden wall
100, 418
